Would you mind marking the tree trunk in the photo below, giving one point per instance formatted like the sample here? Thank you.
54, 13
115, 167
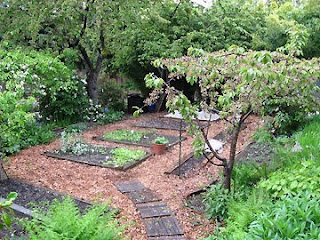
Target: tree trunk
3, 174
92, 79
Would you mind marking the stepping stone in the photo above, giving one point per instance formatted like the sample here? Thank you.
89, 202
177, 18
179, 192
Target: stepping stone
165, 226
167, 238
143, 196
129, 186
154, 210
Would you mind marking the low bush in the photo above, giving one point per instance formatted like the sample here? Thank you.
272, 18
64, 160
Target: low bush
18, 126
64, 221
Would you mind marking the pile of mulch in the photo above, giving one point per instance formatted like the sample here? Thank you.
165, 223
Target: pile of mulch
95, 183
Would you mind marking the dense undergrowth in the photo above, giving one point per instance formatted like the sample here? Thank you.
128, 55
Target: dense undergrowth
63, 220
278, 200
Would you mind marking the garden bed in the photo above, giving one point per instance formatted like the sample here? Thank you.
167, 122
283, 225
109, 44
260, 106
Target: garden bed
188, 163
139, 138
168, 124
256, 152
101, 156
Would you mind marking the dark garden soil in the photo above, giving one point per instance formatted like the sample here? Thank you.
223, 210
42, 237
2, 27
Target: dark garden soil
29, 196
164, 123
95, 159
196, 202
188, 165
145, 141
96, 183
256, 152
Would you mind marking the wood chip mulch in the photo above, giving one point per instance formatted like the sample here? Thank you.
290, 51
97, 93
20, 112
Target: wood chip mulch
92, 183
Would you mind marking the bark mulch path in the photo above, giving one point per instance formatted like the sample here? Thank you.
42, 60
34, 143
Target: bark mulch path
93, 183
157, 216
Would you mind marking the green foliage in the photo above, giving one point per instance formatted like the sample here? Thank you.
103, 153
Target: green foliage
72, 143
291, 218
112, 95
217, 201
126, 135
18, 127
123, 156
5, 211
161, 140
304, 176
281, 202
57, 91
249, 174
63, 221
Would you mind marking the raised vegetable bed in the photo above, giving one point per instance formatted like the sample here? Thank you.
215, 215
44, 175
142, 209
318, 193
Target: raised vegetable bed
115, 158
136, 137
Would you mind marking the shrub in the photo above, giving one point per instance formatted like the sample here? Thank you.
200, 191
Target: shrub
18, 127
111, 95
217, 201
63, 221
61, 95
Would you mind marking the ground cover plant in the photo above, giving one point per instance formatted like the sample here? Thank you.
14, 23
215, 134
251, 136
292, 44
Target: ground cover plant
63, 220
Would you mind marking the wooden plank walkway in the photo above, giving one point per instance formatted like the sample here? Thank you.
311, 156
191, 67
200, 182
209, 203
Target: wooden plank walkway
159, 220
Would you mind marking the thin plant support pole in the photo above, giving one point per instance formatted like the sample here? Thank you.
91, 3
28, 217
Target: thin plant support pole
180, 146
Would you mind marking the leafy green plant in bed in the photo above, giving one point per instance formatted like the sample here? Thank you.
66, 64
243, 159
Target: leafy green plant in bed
64, 221
127, 135
72, 143
161, 140
123, 156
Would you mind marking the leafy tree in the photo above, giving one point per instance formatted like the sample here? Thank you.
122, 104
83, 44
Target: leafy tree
260, 82
66, 27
